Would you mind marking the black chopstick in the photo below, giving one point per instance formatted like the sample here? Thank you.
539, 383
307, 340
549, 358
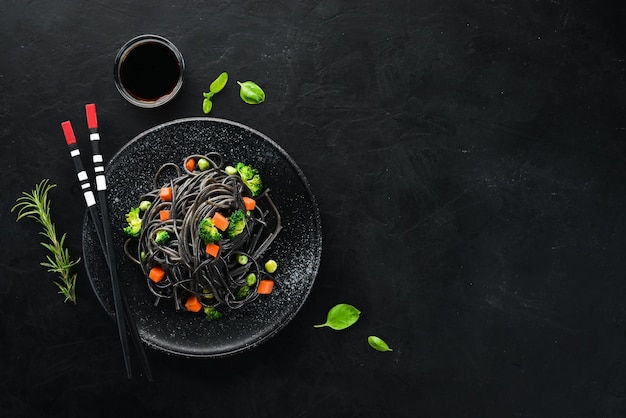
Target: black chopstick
98, 160
70, 138
83, 177
102, 225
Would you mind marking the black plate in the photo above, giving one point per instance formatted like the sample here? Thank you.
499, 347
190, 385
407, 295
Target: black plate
297, 249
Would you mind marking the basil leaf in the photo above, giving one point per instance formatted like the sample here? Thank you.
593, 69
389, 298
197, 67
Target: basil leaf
378, 344
207, 105
219, 83
251, 93
341, 316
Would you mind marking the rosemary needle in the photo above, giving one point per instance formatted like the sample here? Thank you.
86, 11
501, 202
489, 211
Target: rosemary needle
36, 205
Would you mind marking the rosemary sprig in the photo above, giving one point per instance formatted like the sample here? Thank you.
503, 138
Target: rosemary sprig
36, 205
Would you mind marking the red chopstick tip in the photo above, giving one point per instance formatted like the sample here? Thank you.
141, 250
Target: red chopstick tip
70, 138
92, 119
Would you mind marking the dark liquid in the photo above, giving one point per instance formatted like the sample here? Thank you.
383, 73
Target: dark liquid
150, 71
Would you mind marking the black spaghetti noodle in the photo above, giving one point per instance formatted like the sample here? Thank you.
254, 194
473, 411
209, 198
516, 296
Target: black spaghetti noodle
189, 270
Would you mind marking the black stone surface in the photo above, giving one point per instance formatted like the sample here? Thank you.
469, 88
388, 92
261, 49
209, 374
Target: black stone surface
468, 159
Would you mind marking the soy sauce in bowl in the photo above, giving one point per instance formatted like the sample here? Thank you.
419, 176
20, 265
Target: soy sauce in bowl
148, 71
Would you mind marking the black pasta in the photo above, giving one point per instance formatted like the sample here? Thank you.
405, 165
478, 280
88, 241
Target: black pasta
189, 270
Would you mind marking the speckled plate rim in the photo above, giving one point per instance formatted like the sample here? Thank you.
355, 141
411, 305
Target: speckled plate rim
88, 229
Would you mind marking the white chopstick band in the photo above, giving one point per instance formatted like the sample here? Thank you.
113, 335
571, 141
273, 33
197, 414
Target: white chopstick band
101, 183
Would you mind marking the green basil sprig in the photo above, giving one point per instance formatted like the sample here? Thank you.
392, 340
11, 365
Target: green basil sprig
216, 86
344, 315
341, 316
250, 92
378, 344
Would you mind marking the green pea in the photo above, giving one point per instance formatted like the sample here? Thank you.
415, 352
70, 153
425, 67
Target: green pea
251, 279
271, 266
203, 164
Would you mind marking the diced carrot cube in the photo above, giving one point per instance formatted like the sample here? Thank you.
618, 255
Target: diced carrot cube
192, 304
249, 203
166, 194
212, 249
220, 221
156, 274
265, 287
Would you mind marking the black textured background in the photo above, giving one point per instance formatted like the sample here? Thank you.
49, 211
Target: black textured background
469, 162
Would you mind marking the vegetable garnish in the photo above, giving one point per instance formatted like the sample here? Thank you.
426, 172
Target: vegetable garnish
36, 205
192, 304
156, 274
212, 249
213, 244
212, 313
340, 317
236, 223
220, 221
144, 205
249, 202
133, 221
378, 344
251, 178
190, 164
203, 164
271, 266
251, 279
161, 237
164, 215
216, 86
207, 231
166, 194
243, 292
250, 92
265, 287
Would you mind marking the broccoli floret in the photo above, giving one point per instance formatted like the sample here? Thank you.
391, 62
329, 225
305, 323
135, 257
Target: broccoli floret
212, 313
250, 177
208, 232
133, 227
236, 223
161, 237
243, 292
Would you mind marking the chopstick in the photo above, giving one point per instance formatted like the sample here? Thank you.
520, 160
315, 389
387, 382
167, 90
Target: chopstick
98, 160
102, 225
